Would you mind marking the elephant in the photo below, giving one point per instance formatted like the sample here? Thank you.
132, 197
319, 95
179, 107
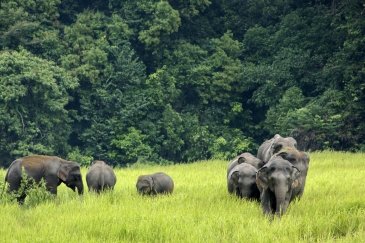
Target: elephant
153, 184
274, 145
52, 169
245, 158
100, 176
300, 160
242, 181
276, 181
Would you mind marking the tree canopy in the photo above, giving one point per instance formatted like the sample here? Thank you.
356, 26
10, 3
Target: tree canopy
178, 81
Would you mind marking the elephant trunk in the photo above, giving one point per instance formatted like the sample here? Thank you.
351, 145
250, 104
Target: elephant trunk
281, 204
80, 188
244, 193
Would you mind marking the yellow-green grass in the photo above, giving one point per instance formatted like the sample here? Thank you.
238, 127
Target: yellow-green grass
332, 209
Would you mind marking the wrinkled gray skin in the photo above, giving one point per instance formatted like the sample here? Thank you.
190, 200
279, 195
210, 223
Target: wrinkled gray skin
52, 169
245, 158
301, 161
274, 145
276, 181
241, 181
155, 184
100, 176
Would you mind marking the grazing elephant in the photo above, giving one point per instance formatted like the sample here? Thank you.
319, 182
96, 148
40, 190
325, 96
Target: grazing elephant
242, 181
276, 181
52, 169
245, 158
301, 161
274, 145
154, 184
100, 176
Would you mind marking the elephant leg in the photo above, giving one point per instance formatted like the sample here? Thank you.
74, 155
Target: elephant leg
265, 202
15, 190
52, 189
52, 184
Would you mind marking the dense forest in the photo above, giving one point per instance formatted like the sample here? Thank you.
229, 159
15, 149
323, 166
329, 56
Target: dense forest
179, 80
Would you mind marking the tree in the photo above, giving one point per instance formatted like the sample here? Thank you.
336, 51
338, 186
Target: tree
33, 97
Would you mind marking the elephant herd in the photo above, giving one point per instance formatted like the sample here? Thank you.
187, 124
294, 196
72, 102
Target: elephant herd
275, 177
54, 171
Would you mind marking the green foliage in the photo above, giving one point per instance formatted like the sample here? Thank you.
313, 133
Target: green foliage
165, 21
229, 148
130, 147
33, 96
197, 79
37, 194
316, 123
76, 156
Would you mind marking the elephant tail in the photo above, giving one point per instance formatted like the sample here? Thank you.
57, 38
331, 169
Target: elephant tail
102, 180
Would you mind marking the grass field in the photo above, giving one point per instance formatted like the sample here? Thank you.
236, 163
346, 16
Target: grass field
332, 209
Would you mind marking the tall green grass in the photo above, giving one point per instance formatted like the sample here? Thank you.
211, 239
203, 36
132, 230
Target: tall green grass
332, 209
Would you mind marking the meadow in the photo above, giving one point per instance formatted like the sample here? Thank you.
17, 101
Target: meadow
332, 209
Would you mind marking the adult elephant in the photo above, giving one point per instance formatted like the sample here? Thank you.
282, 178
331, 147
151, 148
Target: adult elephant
241, 181
300, 160
276, 181
245, 158
157, 183
100, 176
52, 169
274, 145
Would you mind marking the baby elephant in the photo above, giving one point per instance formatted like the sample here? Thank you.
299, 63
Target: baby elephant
242, 181
154, 184
100, 177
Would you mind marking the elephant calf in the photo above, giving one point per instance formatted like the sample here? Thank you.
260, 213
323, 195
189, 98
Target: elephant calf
52, 169
100, 176
245, 158
155, 184
242, 181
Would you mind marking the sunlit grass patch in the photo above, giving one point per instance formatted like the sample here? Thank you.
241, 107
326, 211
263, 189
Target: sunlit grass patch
200, 209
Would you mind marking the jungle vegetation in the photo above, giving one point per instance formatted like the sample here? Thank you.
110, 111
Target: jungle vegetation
179, 80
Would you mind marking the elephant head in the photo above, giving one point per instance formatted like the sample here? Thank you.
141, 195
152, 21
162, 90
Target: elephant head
247, 158
70, 174
301, 161
145, 185
242, 179
298, 158
276, 181
250, 159
280, 142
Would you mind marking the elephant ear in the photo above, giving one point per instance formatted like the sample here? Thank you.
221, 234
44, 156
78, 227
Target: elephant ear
234, 176
241, 160
64, 170
262, 179
305, 157
295, 176
293, 141
288, 156
260, 164
276, 147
